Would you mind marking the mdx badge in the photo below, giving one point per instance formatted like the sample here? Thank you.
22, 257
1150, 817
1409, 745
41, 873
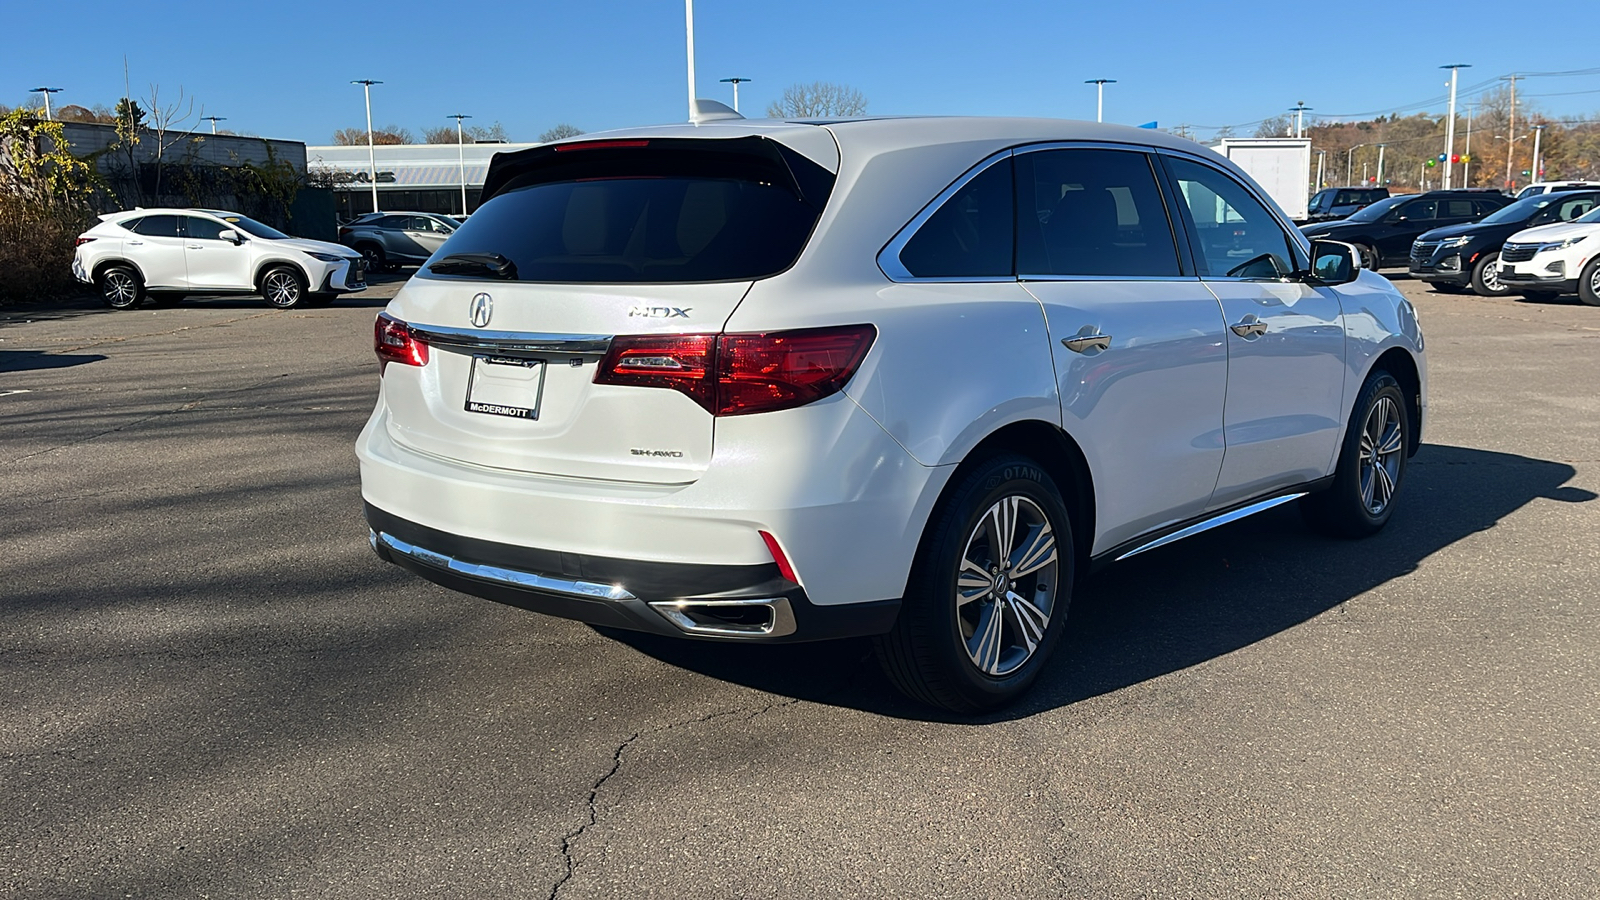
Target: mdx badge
659, 312
482, 310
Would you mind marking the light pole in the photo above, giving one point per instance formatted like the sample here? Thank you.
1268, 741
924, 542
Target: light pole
46, 91
461, 156
1299, 109
1380, 164
1100, 96
1349, 158
1511, 127
213, 120
688, 30
1533, 174
736, 82
1322, 156
372, 158
1466, 155
1450, 124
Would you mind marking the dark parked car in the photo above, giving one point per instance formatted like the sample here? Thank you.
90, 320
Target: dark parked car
390, 239
1384, 231
1337, 203
1458, 257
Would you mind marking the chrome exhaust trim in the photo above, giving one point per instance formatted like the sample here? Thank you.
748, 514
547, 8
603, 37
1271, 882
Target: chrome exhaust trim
700, 617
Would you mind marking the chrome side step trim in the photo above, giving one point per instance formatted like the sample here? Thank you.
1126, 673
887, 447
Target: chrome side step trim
470, 339
1213, 522
586, 590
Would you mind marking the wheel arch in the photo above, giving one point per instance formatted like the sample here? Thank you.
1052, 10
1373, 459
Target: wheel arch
1398, 361
1055, 450
107, 263
267, 265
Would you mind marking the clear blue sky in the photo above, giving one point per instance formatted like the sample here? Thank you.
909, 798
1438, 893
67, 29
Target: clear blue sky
282, 69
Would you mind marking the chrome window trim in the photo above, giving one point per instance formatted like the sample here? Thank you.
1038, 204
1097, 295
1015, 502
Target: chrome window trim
889, 257
472, 339
1032, 278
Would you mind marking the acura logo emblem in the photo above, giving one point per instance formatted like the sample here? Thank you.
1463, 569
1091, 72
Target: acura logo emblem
482, 310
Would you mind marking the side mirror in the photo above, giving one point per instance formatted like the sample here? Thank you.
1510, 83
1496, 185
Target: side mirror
228, 234
1333, 262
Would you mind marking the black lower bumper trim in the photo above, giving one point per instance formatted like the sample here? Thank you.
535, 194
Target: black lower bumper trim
644, 582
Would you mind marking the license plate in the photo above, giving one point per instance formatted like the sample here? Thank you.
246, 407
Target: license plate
505, 386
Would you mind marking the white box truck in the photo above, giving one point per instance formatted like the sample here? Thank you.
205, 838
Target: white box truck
1282, 166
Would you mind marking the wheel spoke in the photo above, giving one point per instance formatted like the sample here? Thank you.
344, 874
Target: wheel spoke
1035, 553
1368, 479
1384, 485
1030, 619
986, 642
972, 582
1391, 440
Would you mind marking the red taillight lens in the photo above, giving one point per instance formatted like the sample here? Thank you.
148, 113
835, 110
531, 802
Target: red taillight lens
393, 341
678, 361
738, 374
344, 233
782, 370
81, 241
600, 145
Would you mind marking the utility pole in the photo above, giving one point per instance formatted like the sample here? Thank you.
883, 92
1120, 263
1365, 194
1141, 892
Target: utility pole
1322, 158
735, 82
213, 120
1466, 156
1533, 172
46, 91
1380, 164
1100, 96
372, 158
1450, 124
1349, 157
1299, 109
461, 157
1511, 127
688, 30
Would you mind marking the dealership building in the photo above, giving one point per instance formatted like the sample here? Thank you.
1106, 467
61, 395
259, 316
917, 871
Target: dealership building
419, 177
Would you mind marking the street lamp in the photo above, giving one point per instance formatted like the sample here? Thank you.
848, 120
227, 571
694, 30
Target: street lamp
1450, 124
688, 31
372, 158
1533, 174
1299, 109
1100, 96
213, 120
461, 156
46, 91
1466, 155
1380, 164
1349, 157
735, 82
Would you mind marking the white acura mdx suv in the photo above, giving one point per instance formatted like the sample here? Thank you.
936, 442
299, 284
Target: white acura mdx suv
784, 381
1563, 258
168, 253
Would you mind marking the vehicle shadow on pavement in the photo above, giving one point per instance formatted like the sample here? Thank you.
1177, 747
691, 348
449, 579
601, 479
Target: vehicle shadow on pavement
1181, 605
28, 360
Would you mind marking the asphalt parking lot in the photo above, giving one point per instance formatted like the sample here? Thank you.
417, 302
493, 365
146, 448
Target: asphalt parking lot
209, 686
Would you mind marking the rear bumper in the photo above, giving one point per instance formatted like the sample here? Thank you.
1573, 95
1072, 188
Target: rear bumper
659, 598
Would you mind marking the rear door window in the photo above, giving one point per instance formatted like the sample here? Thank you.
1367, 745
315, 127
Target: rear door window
1091, 213
630, 213
158, 226
970, 234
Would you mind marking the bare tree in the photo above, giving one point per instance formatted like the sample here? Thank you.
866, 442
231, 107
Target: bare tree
388, 134
1277, 126
560, 131
443, 134
818, 100
446, 134
168, 124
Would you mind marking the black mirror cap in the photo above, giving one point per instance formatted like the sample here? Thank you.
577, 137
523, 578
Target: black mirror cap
1333, 262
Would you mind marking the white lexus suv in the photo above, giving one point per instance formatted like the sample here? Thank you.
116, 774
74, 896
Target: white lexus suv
167, 253
1563, 258
785, 381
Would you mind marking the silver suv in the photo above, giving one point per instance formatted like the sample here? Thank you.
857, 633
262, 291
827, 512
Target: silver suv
392, 239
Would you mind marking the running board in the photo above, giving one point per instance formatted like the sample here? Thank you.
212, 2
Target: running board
1213, 522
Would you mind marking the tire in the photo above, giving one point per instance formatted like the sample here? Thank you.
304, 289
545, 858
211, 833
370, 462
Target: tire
284, 287
373, 255
1589, 283
938, 652
1369, 257
1486, 278
120, 287
1372, 464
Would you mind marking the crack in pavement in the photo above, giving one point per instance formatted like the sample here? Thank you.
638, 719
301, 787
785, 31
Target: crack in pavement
616, 762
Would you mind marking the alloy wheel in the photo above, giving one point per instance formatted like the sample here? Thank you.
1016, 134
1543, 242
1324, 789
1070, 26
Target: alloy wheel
1491, 279
1594, 280
282, 289
1382, 441
1006, 588
120, 289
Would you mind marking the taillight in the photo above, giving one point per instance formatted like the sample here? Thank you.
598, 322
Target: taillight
738, 374
344, 233
393, 341
81, 241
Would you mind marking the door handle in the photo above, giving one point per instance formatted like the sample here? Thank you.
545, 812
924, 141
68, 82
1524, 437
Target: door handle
194, 246
136, 243
1249, 327
1088, 337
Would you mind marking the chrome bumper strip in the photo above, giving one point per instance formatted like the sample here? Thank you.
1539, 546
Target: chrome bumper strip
1213, 522
587, 590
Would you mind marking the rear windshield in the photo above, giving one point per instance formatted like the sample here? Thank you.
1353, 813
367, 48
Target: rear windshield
635, 215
